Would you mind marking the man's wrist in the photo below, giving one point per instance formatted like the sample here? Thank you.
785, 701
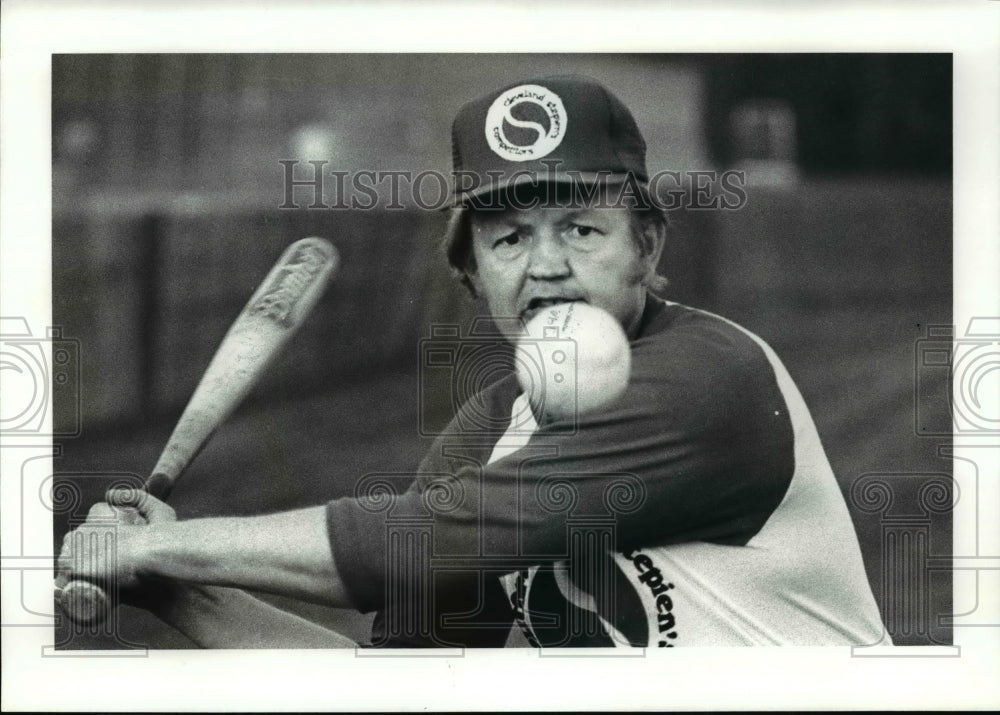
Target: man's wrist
138, 550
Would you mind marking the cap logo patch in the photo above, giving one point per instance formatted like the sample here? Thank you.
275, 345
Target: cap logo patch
525, 123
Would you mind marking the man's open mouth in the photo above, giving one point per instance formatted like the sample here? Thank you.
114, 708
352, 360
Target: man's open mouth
536, 305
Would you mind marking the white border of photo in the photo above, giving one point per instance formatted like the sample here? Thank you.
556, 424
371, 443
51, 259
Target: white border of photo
774, 678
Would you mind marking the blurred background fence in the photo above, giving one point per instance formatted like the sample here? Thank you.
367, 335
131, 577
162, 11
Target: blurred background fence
167, 184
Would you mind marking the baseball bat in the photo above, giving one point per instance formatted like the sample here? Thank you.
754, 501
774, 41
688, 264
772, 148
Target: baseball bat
271, 316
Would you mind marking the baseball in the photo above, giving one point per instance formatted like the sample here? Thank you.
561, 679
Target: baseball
573, 359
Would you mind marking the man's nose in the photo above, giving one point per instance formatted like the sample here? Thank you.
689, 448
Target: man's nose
548, 259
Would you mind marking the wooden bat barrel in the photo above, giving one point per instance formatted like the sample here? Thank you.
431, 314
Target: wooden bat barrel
272, 315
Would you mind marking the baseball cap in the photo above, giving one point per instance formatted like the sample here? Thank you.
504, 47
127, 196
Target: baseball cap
559, 129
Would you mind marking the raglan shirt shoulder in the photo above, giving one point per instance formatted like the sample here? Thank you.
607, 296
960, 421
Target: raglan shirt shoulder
700, 447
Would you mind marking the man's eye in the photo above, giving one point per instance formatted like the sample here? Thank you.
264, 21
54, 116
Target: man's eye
506, 241
578, 231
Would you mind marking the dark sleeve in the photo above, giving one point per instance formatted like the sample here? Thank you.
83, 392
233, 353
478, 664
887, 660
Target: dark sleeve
464, 607
698, 448
362, 527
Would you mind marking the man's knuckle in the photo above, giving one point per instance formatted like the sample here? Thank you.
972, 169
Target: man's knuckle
100, 511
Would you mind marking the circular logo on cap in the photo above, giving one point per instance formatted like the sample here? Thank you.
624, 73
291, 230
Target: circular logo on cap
525, 123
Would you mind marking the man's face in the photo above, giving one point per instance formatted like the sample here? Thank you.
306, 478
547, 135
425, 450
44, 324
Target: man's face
529, 258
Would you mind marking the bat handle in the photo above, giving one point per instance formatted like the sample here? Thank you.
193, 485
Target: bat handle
159, 485
86, 603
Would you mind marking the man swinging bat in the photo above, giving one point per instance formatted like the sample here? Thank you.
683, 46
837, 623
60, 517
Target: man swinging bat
678, 495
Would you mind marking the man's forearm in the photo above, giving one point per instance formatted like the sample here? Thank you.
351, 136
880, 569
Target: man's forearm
287, 553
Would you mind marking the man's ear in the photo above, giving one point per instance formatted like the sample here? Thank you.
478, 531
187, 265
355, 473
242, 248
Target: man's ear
472, 282
654, 237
